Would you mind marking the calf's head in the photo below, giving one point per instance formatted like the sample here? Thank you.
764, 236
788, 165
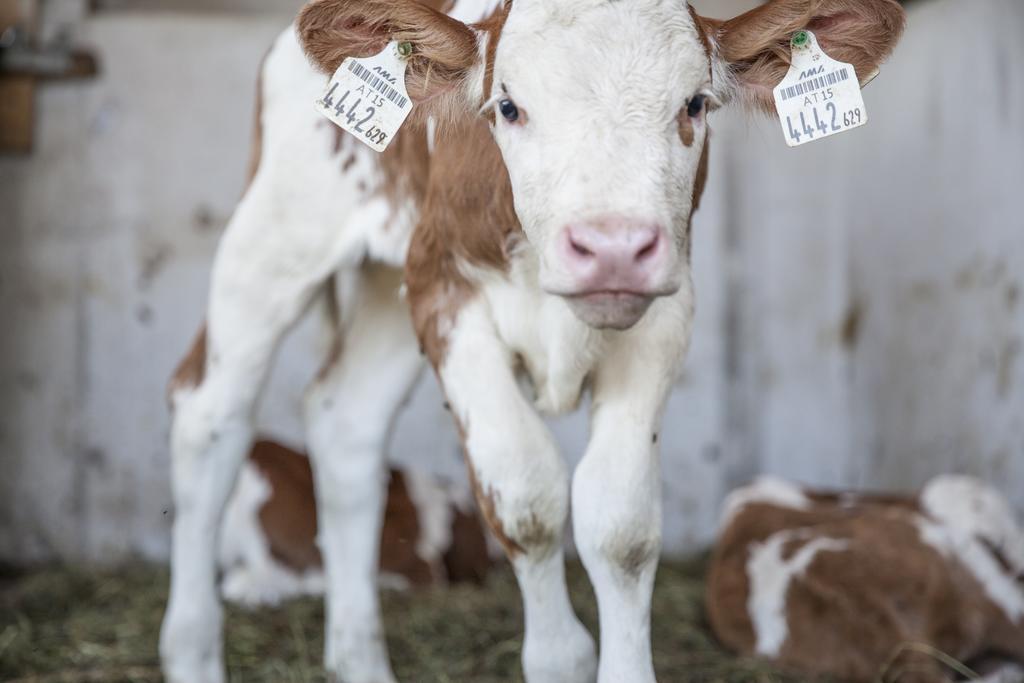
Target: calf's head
599, 109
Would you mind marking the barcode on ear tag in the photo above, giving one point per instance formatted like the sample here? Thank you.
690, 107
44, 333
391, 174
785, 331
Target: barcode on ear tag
819, 97
367, 97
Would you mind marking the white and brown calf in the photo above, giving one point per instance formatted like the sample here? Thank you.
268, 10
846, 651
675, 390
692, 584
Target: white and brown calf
431, 534
540, 199
871, 588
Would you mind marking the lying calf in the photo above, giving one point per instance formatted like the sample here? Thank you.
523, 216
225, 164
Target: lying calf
268, 548
871, 588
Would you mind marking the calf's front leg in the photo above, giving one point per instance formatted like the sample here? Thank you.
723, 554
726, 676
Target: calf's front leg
522, 487
616, 496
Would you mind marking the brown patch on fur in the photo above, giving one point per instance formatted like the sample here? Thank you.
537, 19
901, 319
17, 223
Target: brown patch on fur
851, 611
464, 193
339, 139
485, 501
704, 31
469, 189
756, 43
192, 368
349, 162
468, 558
289, 522
848, 501
467, 217
405, 165
493, 26
288, 516
256, 146
400, 534
532, 534
685, 125
699, 182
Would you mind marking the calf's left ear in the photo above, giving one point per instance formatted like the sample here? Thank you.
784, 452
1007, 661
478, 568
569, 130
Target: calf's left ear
752, 51
444, 54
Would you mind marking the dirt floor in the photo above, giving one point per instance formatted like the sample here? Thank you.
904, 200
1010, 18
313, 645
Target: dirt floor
66, 625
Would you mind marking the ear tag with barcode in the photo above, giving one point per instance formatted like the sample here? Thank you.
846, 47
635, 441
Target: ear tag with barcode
367, 96
819, 97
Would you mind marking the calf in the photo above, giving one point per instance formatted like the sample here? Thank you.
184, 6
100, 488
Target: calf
268, 545
870, 589
540, 198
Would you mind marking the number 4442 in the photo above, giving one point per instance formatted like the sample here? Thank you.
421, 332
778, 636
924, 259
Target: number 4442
822, 123
374, 133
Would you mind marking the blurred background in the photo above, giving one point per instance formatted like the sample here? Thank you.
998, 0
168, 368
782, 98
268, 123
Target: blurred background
860, 300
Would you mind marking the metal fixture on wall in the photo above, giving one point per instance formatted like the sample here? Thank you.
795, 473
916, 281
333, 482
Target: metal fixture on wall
24, 62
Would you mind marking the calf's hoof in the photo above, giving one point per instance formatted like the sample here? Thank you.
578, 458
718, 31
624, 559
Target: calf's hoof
190, 649
561, 658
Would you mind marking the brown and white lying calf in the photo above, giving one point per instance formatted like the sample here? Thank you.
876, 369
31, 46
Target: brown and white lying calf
268, 540
870, 588
540, 199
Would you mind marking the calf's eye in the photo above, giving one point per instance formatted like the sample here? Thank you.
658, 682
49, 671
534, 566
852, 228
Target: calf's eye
695, 106
509, 110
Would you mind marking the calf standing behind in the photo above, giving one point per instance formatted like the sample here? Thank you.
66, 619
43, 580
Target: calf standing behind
268, 540
545, 232
869, 589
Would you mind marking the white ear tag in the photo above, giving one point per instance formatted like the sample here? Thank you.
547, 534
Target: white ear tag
819, 96
367, 97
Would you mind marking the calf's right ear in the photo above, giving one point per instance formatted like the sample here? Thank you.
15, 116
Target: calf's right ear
444, 51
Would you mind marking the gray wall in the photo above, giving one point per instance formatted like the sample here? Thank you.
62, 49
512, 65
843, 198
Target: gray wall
860, 313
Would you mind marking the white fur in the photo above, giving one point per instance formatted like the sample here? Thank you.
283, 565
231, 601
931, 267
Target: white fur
770, 577
300, 220
599, 85
616, 494
435, 514
349, 414
617, 486
972, 507
767, 490
517, 465
954, 543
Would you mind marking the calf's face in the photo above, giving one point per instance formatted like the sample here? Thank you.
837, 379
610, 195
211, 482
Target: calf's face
599, 110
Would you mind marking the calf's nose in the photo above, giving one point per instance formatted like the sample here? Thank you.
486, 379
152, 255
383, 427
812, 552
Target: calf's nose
613, 254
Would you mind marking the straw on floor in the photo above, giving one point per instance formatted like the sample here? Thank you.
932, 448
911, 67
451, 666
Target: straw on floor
66, 625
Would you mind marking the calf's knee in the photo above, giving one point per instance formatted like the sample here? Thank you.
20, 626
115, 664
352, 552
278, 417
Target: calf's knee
527, 519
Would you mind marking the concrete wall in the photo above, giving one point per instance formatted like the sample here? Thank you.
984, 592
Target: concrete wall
859, 300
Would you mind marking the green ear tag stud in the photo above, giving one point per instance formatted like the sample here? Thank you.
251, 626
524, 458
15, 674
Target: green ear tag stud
800, 39
405, 49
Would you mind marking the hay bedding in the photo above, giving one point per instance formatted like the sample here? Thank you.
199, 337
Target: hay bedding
62, 625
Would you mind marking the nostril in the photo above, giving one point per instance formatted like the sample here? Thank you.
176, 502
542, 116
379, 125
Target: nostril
648, 249
579, 249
